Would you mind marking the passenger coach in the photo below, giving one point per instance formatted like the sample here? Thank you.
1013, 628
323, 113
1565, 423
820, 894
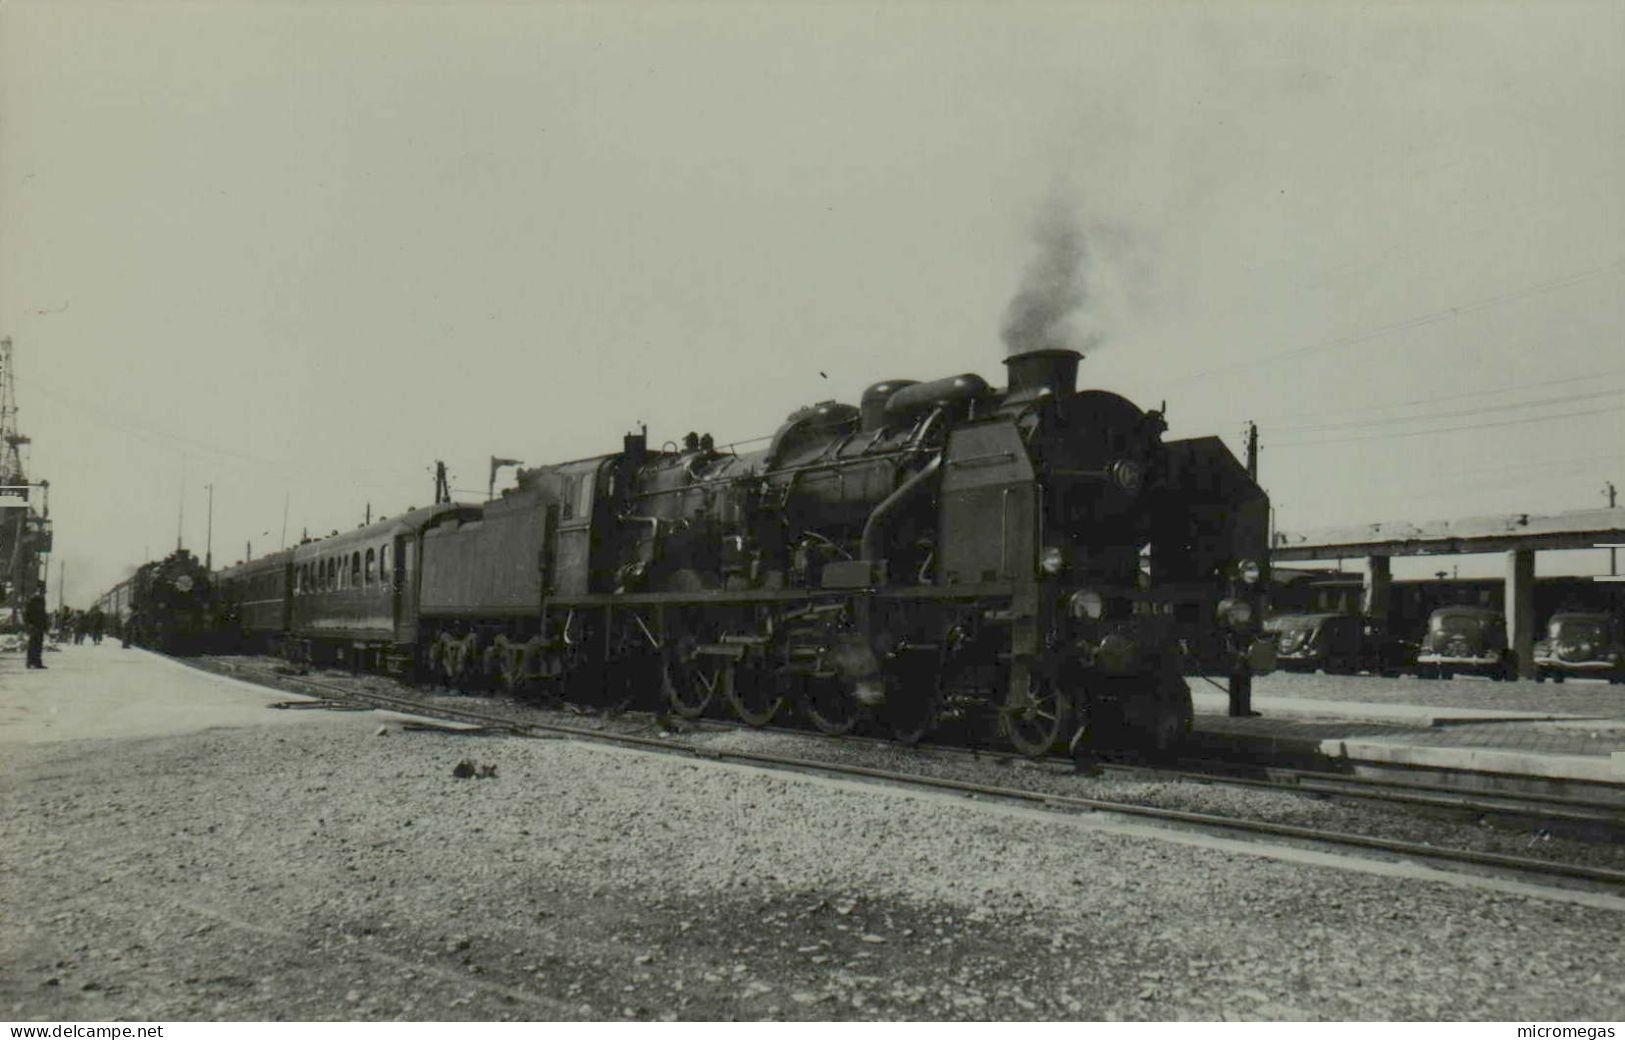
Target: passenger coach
354, 595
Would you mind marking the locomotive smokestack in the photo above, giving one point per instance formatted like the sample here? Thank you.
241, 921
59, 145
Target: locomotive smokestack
1035, 371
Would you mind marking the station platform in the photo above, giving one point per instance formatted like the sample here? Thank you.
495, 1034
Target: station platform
1480, 734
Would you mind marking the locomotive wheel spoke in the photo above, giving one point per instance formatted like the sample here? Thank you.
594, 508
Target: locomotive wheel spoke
1035, 726
513, 668
752, 694
691, 686
830, 706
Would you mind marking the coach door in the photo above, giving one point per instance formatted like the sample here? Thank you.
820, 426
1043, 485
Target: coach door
397, 579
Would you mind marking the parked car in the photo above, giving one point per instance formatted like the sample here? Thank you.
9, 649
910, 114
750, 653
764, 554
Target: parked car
1466, 639
1579, 644
1337, 643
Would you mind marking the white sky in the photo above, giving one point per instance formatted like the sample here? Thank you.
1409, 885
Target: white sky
306, 249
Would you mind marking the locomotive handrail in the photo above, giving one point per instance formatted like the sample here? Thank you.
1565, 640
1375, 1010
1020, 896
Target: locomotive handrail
791, 470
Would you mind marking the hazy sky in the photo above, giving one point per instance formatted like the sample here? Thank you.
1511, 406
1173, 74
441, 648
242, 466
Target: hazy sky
300, 251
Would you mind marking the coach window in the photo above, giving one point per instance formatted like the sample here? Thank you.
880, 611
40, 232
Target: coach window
384, 573
332, 573
355, 569
571, 486
371, 563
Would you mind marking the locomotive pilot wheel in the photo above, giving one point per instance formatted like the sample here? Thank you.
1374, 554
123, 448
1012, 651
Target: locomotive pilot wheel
1037, 724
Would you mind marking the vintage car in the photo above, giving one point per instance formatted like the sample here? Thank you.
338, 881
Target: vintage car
1466, 639
1577, 644
1337, 643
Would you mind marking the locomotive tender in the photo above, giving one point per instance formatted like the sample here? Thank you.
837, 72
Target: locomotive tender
1034, 553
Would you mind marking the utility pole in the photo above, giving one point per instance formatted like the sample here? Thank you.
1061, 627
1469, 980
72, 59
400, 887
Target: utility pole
1252, 451
180, 521
208, 545
285, 495
61, 584
368, 521
442, 488
1613, 557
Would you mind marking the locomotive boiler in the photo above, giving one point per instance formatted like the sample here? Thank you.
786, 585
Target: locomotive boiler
1032, 554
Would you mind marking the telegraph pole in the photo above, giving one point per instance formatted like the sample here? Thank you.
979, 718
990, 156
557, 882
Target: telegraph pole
1613, 560
208, 545
1252, 451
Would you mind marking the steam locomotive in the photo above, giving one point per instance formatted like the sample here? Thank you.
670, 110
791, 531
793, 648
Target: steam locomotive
167, 605
1033, 555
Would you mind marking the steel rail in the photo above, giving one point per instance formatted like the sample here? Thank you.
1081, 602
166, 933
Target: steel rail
1546, 807
1553, 808
1053, 802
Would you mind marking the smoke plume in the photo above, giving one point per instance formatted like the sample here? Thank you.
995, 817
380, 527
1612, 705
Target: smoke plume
1044, 314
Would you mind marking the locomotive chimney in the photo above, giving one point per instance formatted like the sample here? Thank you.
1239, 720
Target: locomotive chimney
1035, 371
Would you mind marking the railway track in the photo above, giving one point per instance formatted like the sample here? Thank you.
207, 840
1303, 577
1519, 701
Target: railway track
1318, 784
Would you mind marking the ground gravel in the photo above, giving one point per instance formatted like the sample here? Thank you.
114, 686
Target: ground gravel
341, 871
1502, 835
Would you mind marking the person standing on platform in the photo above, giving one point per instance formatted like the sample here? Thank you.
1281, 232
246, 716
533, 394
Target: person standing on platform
36, 619
97, 622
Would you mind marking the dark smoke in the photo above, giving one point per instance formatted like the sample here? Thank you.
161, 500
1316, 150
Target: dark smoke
1042, 314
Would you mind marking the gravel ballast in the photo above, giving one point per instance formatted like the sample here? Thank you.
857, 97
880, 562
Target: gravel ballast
330, 871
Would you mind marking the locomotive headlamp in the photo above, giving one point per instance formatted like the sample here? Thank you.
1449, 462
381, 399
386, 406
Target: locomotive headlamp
1235, 612
1053, 560
1128, 474
1087, 605
1249, 571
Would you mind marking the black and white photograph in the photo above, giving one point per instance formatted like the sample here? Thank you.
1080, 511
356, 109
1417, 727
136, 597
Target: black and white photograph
804, 511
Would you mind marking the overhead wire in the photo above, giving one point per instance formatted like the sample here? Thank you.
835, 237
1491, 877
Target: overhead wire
1428, 416
1447, 429
1437, 398
1414, 321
